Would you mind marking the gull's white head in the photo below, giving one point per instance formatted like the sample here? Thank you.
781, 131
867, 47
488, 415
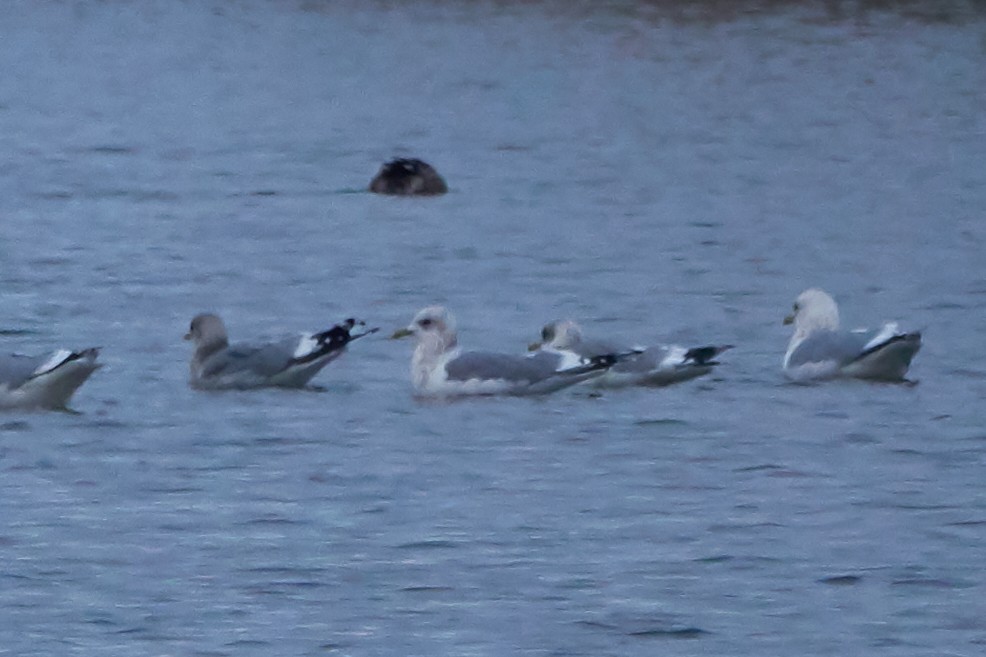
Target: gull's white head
434, 326
814, 310
559, 334
434, 329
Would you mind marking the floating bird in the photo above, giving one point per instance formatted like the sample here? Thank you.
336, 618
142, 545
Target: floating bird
440, 368
44, 382
408, 177
819, 350
287, 363
658, 365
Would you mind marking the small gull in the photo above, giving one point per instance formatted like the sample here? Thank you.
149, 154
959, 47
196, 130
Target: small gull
658, 365
440, 368
287, 363
408, 177
44, 382
819, 350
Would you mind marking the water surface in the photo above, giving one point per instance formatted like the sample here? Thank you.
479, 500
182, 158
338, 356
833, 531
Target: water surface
657, 174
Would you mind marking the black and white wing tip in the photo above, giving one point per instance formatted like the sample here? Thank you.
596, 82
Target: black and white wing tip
889, 335
601, 361
313, 347
705, 355
62, 357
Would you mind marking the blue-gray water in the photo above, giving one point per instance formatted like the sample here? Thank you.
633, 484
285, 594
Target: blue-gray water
659, 175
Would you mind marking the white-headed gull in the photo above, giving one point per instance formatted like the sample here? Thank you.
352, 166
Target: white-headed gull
658, 365
440, 368
820, 350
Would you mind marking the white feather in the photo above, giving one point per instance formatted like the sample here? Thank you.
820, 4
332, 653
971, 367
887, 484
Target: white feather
307, 344
888, 331
53, 361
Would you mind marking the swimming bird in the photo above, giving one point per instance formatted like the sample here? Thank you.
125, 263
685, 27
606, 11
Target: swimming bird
658, 365
44, 382
440, 368
820, 350
287, 363
408, 177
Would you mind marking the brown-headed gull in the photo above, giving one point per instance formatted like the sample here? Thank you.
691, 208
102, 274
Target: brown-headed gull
287, 363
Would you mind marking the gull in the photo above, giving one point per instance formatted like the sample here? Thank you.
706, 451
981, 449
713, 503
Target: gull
439, 368
44, 382
658, 365
287, 363
820, 350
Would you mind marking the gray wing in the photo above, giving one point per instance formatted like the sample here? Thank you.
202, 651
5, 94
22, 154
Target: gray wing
593, 348
15, 369
486, 365
647, 361
639, 363
669, 358
259, 360
841, 347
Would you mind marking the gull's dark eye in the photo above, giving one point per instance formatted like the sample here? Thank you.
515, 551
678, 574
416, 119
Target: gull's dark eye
424, 323
795, 307
546, 334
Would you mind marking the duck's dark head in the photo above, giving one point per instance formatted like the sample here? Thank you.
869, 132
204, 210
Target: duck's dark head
408, 177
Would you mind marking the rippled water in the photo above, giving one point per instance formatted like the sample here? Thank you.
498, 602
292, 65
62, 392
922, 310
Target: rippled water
659, 174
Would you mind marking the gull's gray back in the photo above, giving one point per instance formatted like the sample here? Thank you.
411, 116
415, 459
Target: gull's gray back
262, 360
592, 348
840, 346
642, 362
15, 369
490, 365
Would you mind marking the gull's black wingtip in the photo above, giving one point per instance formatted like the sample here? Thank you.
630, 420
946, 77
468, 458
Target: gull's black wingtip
705, 355
603, 361
342, 333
